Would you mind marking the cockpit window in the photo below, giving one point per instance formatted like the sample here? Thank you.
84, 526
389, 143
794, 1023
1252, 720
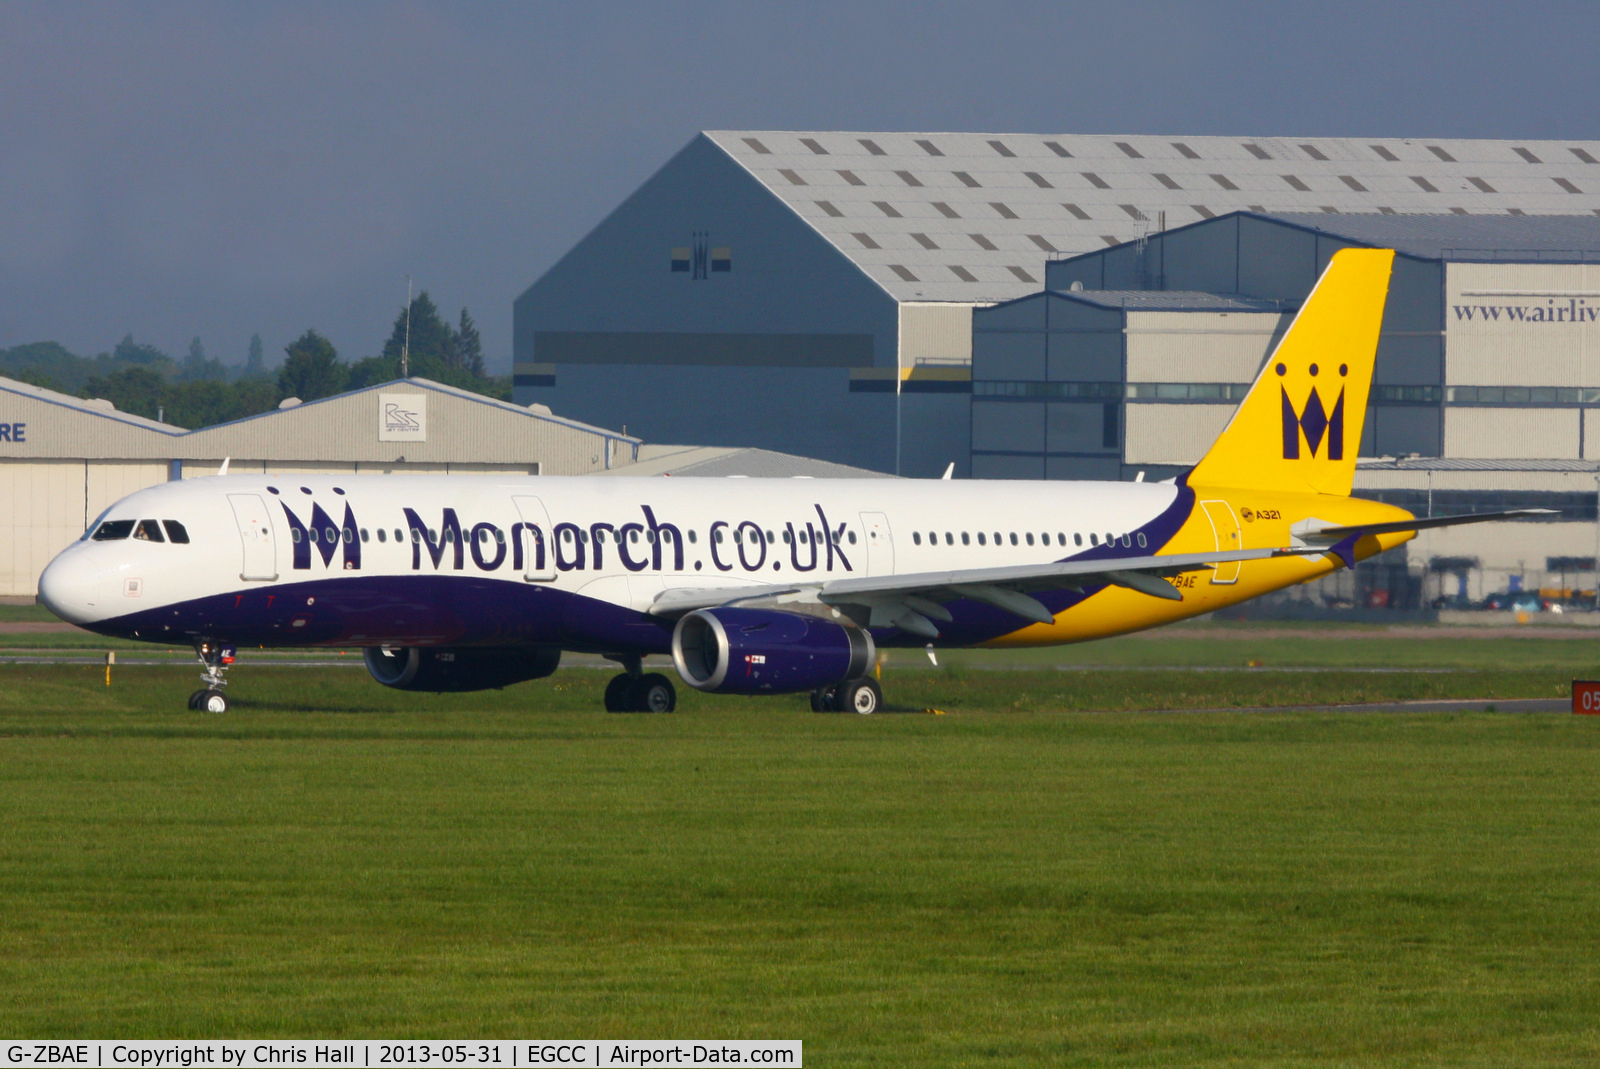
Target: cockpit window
149, 531
112, 530
176, 532
89, 530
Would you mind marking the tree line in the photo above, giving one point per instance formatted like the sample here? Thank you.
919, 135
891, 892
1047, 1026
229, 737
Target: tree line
201, 391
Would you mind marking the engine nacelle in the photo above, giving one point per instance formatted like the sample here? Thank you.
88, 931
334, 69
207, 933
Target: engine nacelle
766, 651
467, 668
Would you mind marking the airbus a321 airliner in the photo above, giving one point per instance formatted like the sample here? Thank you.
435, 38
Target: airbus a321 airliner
752, 586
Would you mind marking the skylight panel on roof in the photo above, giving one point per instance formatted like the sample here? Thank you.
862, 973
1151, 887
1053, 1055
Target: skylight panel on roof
983, 243
1330, 209
1519, 211
1038, 179
1385, 153
1314, 152
925, 241
1022, 276
1166, 180
1583, 154
1350, 181
1257, 208
1185, 151
1134, 213
1458, 211
1128, 150
1039, 240
1423, 184
756, 146
1109, 240
851, 177
1005, 213
967, 180
903, 272
1223, 181
794, 179
866, 241
886, 208
1075, 210
1257, 151
1568, 186
1000, 147
1095, 180
1525, 154
828, 209
871, 146
1295, 183
1382, 210
929, 147
1204, 212
945, 210
962, 273
908, 178
1438, 150
1481, 184
814, 145
1056, 147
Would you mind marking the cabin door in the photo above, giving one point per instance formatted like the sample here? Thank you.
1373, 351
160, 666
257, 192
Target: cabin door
880, 545
255, 530
1225, 525
538, 547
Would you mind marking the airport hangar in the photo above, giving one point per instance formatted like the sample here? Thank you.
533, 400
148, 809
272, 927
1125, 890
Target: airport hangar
1486, 391
813, 292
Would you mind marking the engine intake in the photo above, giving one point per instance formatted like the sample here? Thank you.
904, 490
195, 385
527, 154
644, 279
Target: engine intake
764, 651
440, 671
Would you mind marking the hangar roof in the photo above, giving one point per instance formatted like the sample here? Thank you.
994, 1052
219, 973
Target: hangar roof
732, 462
1465, 237
94, 407
972, 217
1171, 301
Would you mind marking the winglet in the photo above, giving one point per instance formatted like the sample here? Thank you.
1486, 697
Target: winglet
224, 469
1299, 427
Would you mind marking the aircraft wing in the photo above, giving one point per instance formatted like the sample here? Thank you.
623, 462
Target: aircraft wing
913, 601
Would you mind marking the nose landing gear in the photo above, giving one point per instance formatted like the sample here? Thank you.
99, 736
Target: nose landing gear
215, 658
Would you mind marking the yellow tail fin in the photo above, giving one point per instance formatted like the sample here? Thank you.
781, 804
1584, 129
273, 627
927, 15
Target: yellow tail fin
1299, 427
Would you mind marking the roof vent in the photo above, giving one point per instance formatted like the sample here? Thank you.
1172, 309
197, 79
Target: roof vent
101, 403
1077, 285
543, 410
289, 402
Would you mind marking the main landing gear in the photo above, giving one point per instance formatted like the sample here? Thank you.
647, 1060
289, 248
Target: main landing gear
636, 691
862, 696
215, 658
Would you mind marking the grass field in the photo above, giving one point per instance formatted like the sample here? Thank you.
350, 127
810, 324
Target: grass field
1017, 882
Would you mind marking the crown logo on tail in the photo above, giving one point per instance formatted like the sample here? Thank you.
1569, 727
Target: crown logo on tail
1314, 422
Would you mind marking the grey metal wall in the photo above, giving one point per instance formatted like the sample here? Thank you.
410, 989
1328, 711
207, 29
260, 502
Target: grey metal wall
757, 355
1272, 260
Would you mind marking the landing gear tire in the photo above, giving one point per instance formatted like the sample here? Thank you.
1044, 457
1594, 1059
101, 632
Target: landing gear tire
211, 701
197, 697
619, 694
861, 696
825, 700
654, 693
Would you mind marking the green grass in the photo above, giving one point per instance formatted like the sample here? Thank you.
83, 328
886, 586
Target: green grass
1008, 884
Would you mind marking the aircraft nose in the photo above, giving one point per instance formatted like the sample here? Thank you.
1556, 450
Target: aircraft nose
67, 588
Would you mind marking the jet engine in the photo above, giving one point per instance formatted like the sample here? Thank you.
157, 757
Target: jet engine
467, 668
765, 651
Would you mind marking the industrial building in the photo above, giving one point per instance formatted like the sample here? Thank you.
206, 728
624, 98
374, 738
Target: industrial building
63, 459
813, 292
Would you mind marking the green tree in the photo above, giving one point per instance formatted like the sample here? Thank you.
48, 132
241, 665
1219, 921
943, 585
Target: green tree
469, 346
429, 334
197, 367
137, 390
254, 365
311, 368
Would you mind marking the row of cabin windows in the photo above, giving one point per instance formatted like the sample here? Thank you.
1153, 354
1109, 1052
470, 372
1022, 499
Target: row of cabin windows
333, 534
1027, 538
142, 530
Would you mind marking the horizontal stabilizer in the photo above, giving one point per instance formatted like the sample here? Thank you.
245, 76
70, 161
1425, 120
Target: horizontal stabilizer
1334, 534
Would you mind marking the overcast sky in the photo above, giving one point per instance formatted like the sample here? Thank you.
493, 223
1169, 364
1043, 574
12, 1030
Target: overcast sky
220, 169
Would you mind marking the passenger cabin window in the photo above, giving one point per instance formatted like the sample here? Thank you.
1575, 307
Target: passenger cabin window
1094, 539
383, 535
1013, 538
1077, 539
982, 541
916, 538
112, 530
176, 532
149, 531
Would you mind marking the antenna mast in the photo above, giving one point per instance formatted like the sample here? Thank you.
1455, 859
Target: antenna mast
405, 350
